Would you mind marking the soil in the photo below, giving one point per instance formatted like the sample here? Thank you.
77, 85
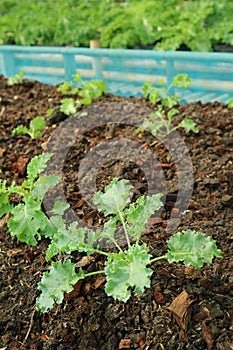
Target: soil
185, 308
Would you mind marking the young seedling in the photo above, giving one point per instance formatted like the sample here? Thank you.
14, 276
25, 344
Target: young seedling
67, 88
69, 106
161, 95
160, 122
34, 130
87, 90
16, 79
28, 221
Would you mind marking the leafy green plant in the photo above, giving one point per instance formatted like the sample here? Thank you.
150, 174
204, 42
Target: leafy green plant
34, 130
160, 122
28, 221
161, 94
68, 106
67, 88
127, 269
16, 79
88, 90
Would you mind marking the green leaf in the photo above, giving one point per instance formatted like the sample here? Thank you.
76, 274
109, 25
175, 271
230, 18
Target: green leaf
35, 134
188, 124
50, 112
127, 269
36, 165
20, 129
16, 79
65, 88
161, 82
68, 106
51, 229
60, 207
43, 184
85, 101
170, 101
58, 222
71, 239
115, 197
230, 103
157, 124
35, 126
5, 208
182, 80
92, 89
139, 212
77, 76
193, 248
27, 221
171, 113
109, 228
154, 95
146, 88
37, 123
54, 283
5, 192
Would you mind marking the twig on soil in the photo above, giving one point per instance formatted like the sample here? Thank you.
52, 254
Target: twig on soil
30, 326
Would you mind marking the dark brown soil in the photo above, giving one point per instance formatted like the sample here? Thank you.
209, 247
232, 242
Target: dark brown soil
88, 319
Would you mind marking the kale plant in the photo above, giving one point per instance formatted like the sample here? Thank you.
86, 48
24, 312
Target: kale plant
87, 90
34, 130
16, 79
27, 220
127, 267
160, 122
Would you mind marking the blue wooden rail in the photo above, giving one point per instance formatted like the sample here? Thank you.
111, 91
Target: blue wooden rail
124, 71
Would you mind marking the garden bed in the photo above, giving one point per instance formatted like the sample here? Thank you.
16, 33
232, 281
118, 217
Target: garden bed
88, 319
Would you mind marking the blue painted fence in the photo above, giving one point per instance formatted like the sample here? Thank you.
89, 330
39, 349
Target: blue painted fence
124, 71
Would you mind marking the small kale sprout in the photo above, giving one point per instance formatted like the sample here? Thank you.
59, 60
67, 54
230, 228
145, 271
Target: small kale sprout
160, 122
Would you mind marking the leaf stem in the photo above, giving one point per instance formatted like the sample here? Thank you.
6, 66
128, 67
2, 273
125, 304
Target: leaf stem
124, 227
157, 258
117, 245
93, 273
101, 252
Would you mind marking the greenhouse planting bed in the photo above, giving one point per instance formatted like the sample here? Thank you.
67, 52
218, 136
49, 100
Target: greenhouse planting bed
88, 318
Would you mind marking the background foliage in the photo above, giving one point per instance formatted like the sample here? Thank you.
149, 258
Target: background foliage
196, 25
